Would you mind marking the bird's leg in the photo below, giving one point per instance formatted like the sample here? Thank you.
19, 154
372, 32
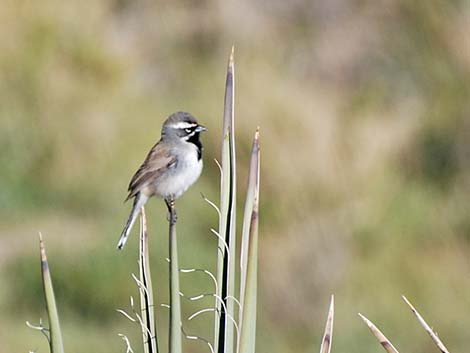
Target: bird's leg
170, 204
167, 203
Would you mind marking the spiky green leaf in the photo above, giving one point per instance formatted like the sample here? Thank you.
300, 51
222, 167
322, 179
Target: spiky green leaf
224, 329
249, 256
56, 344
146, 293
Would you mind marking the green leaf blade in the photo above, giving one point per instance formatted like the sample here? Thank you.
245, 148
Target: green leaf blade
224, 329
249, 256
147, 307
175, 337
56, 343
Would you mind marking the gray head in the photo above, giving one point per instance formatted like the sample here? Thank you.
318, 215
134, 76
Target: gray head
182, 125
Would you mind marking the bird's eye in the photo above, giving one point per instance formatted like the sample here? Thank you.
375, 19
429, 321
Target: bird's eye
187, 130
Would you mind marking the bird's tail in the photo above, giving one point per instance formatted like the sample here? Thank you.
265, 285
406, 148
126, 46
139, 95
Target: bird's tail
139, 201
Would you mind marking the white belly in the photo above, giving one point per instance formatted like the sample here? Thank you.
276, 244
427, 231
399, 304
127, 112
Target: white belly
185, 174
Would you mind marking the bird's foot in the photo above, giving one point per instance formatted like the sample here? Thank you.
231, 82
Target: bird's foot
170, 204
172, 217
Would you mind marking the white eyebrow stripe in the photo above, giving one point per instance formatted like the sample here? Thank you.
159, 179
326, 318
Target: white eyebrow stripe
183, 125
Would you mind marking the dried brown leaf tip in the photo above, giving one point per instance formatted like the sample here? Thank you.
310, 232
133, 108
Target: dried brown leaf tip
386, 344
426, 327
42, 251
328, 335
232, 53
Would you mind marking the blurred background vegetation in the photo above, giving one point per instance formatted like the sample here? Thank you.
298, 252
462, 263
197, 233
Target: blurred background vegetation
365, 120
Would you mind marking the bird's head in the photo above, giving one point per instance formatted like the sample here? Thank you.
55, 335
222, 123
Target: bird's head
182, 125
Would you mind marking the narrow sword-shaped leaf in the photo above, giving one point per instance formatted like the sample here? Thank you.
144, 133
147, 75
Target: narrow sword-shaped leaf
175, 337
224, 330
55, 342
250, 197
146, 294
386, 344
249, 256
428, 329
328, 335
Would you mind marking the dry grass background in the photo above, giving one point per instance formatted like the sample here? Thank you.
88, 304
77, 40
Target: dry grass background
364, 114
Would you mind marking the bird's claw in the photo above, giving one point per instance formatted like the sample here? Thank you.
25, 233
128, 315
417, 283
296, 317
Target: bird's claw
172, 217
170, 203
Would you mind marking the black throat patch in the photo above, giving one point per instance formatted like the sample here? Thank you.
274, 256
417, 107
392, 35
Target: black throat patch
194, 139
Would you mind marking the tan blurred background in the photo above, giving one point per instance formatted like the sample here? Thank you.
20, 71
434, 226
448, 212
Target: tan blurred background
365, 121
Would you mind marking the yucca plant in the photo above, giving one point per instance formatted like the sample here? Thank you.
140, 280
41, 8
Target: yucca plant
240, 335
234, 330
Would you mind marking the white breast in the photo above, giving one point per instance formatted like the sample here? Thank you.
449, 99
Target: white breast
179, 179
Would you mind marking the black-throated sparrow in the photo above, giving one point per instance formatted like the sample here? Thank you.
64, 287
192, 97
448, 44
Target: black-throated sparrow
171, 166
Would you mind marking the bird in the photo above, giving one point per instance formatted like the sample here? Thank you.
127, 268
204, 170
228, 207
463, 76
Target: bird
172, 165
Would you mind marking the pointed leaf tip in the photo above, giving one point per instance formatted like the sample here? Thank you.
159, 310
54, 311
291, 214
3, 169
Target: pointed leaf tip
255, 147
232, 53
328, 335
384, 342
42, 249
426, 327
364, 318
405, 299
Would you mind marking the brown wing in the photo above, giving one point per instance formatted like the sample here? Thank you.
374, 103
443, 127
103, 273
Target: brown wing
157, 160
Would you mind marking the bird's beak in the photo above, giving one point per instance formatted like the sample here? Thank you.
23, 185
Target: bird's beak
200, 128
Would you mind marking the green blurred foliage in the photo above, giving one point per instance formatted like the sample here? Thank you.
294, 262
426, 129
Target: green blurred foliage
365, 132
